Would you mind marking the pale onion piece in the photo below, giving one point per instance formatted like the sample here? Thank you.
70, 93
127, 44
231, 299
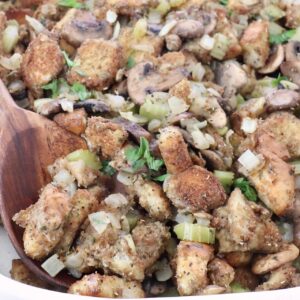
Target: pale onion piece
128, 115
75, 273
286, 230
38, 104
143, 48
125, 226
114, 220
199, 139
207, 42
249, 160
74, 261
164, 271
11, 63
53, 265
197, 90
297, 182
140, 28
130, 242
111, 16
167, 28
115, 102
229, 133
63, 178
66, 105
198, 72
126, 178
10, 37
289, 85
249, 125
71, 189
117, 30
116, 200
99, 220
213, 92
177, 105
203, 218
210, 139
154, 16
36, 25
192, 124
203, 221
184, 218
154, 125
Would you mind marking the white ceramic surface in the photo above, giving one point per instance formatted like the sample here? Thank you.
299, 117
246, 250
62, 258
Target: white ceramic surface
12, 290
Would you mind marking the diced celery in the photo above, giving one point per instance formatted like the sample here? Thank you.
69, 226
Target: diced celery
296, 165
152, 109
225, 178
195, 233
140, 28
237, 288
272, 12
90, 159
221, 46
132, 216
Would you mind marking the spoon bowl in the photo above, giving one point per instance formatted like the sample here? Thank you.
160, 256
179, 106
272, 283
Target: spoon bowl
28, 144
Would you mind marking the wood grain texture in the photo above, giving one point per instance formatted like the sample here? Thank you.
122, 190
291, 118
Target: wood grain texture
28, 144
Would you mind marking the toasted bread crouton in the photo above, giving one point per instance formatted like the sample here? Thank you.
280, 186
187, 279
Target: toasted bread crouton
153, 199
105, 136
191, 267
21, 273
105, 286
220, 272
42, 61
73, 121
255, 44
293, 16
195, 189
131, 7
174, 150
96, 63
182, 90
44, 222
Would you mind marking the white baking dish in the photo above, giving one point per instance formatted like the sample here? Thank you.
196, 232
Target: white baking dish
13, 290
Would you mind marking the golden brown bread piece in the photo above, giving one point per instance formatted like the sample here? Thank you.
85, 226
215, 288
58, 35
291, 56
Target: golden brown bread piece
220, 272
96, 63
174, 150
195, 189
73, 121
97, 285
42, 61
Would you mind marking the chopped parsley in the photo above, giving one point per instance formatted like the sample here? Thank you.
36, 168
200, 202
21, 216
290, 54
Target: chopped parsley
53, 87
281, 38
81, 91
107, 168
71, 3
276, 82
138, 157
246, 189
161, 178
70, 63
224, 2
130, 62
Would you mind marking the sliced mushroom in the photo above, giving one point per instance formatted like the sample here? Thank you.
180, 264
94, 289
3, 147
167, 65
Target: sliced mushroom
173, 42
282, 99
292, 51
188, 29
239, 259
145, 78
214, 159
80, 25
270, 262
93, 106
134, 129
291, 69
274, 61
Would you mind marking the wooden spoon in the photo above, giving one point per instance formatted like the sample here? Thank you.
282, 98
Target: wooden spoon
28, 144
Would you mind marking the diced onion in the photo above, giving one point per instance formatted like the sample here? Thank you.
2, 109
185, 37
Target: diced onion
296, 166
154, 17
11, 63
99, 221
167, 28
164, 271
117, 30
154, 125
90, 159
130, 242
66, 105
111, 16
249, 160
116, 200
249, 125
195, 233
177, 105
207, 42
74, 261
71, 189
140, 28
221, 46
128, 115
53, 265
35, 24
198, 72
75, 273
286, 230
126, 178
116, 102
63, 178
199, 139
10, 36
184, 218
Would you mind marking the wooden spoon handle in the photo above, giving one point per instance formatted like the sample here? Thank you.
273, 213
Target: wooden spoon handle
6, 101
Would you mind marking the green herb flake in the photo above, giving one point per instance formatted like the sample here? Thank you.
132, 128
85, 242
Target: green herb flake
71, 3
70, 63
53, 87
246, 189
161, 178
81, 91
130, 62
276, 81
224, 2
277, 39
107, 168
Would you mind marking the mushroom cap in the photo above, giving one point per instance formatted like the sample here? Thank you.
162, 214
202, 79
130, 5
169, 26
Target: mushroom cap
292, 51
274, 61
282, 99
188, 29
291, 69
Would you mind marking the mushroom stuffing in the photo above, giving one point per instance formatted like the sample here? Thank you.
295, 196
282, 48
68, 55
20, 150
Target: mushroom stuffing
190, 109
